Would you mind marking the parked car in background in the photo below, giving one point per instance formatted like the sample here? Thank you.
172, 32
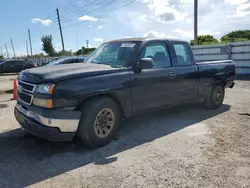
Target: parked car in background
66, 60
15, 65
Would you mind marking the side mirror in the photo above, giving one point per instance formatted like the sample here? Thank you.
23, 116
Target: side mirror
146, 63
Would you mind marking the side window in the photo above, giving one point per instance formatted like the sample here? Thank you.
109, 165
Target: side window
69, 61
182, 54
79, 60
158, 53
19, 63
8, 64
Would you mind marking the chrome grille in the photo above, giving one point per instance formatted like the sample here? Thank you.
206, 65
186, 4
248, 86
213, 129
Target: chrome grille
25, 92
28, 87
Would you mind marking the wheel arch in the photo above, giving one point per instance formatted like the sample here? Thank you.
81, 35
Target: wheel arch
220, 78
116, 98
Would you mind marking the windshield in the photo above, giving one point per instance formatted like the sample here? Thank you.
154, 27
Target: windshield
55, 62
116, 54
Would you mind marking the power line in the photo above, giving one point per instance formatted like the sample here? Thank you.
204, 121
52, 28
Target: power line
43, 31
118, 8
68, 3
95, 9
45, 28
81, 10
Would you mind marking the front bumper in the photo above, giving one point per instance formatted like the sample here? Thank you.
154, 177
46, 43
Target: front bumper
53, 125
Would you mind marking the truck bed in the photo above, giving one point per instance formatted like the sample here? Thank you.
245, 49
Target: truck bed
226, 67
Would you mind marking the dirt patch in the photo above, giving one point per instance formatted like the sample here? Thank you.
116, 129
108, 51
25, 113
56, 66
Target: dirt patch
10, 91
3, 106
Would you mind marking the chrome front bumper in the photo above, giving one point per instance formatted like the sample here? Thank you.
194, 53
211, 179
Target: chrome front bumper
64, 124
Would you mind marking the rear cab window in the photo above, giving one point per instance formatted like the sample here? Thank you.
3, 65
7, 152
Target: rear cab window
182, 54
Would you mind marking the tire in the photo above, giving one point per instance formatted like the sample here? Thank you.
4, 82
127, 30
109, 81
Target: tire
216, 97
96, 120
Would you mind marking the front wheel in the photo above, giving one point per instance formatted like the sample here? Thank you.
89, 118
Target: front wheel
99, 122
215, 99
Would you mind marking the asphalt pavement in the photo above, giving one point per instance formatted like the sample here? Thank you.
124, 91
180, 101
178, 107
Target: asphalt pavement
185, 146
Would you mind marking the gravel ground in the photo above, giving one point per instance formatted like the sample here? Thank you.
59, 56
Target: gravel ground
185, 146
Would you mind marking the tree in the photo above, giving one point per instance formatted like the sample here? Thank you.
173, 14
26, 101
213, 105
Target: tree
205, 39
236, 36
84, 51
47, 45
64, 53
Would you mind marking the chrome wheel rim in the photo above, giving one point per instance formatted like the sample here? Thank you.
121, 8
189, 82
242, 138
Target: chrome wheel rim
104, 122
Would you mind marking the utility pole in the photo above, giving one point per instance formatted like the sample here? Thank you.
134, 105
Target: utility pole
13, 48
1, 51
7, 53
27, 48
87, 43
77, 41
195, 22
30, 42
60, 27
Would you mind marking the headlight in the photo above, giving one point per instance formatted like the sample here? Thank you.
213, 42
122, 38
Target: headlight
45, 88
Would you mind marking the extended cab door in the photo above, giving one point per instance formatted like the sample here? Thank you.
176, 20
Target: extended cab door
156, 87
187, 77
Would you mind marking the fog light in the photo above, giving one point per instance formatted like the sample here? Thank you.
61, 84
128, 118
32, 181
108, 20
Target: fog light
45, 103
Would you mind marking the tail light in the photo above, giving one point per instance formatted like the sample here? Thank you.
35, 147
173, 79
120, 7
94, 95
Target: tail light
234, 70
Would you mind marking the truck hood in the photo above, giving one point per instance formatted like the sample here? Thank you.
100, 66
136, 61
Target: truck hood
62, 72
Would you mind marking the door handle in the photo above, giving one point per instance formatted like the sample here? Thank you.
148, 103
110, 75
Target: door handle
172, 74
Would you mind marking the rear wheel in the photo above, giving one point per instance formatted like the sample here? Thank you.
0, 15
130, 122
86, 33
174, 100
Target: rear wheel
99, 122
215, 98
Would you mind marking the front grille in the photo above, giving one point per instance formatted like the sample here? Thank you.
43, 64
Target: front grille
26, 86
24, 97
25, 92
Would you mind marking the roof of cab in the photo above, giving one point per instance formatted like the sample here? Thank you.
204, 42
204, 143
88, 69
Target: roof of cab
140, 39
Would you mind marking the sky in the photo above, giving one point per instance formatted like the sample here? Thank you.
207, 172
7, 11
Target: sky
102, 20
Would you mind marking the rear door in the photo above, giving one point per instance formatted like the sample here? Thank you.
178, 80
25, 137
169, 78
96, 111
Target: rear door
187, 77
156, 87
19, 65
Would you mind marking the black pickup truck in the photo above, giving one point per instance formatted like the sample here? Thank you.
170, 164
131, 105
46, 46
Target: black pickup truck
120, 79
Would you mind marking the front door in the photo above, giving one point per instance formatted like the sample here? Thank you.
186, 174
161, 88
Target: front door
156, 87
8, 67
